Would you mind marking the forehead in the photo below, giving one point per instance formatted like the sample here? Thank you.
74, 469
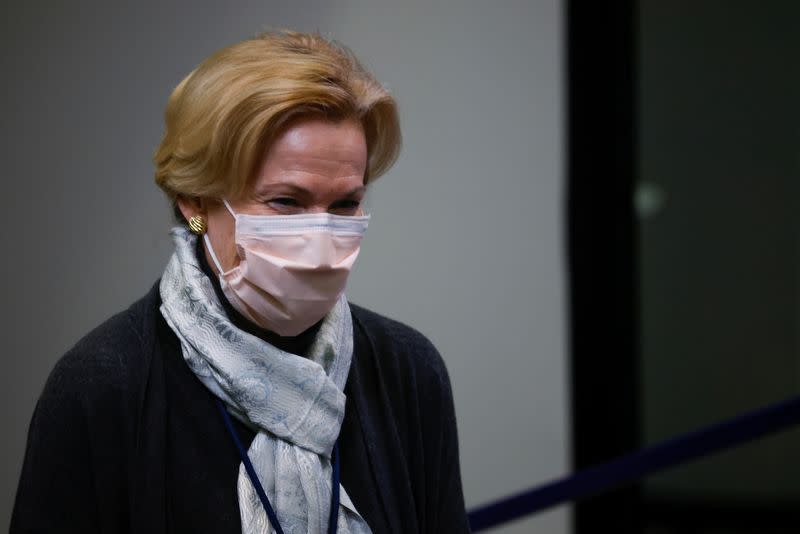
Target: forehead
315, 147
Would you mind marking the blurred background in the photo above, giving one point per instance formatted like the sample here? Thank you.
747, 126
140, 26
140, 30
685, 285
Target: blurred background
718, 198
594, 218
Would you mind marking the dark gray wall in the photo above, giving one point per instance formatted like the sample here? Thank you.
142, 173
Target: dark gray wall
720, 126
465, 241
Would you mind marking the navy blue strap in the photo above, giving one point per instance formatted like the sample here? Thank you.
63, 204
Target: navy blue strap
726, 434
251, 472
333, 520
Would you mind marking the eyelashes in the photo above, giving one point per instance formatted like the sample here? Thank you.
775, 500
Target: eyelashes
291, 204
347, 204
283, 201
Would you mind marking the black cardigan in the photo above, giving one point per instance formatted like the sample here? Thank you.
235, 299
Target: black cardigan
125, 438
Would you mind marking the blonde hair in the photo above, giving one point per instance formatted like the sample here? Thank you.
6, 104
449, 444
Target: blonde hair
222, 116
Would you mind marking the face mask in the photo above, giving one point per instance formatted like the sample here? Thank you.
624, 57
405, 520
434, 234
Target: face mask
292, 269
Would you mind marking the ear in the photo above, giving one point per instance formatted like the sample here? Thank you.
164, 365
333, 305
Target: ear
190, 206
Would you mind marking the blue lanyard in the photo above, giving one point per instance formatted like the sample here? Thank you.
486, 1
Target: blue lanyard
251, 472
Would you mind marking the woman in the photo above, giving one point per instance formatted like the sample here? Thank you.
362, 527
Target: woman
243, 392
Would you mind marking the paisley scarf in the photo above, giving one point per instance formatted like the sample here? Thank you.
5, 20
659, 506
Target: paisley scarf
295, 403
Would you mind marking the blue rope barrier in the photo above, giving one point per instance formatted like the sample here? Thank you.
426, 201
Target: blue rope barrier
717, 437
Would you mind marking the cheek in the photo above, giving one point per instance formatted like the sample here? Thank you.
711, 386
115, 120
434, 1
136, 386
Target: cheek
221, 234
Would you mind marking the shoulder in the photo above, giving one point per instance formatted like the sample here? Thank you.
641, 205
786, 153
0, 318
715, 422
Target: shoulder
83, 428
401, 348
109, 358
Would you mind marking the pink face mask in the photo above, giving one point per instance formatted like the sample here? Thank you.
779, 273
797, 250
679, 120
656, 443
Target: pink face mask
292, 269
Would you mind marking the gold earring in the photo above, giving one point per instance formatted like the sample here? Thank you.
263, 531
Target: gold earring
197, 224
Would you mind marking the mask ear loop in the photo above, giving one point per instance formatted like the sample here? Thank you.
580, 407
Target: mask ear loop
208, 241
213, 256
225, 201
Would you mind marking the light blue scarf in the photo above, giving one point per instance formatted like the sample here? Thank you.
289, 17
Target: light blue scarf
296, 404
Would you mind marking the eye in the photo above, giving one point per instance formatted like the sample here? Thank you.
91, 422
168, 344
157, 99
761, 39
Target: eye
345, 206
282, 203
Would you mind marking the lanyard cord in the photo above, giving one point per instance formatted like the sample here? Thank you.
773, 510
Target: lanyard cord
251, 472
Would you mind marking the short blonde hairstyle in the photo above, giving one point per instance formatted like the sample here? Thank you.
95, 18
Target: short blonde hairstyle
221, 118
